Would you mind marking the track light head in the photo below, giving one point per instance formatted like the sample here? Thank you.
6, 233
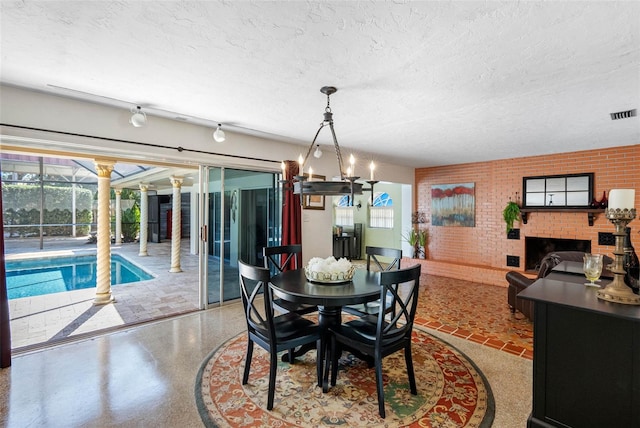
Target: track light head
218, 134
139, 118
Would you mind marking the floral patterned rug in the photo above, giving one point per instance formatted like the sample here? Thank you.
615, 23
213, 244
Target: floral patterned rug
452, 392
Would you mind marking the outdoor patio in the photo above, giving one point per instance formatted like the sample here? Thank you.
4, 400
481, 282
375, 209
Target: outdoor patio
45, 320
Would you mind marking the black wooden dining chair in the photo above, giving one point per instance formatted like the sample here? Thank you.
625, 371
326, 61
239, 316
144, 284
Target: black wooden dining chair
389, 333
273, 333
278, 259
374, 263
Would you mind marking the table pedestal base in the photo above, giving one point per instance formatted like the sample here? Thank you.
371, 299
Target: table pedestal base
327, 317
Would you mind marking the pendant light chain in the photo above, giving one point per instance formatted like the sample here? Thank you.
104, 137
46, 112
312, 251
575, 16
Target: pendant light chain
338, 154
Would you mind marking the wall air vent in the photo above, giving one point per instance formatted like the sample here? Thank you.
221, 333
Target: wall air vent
624, 114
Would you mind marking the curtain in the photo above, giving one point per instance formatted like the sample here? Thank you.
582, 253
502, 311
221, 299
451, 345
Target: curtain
291, 212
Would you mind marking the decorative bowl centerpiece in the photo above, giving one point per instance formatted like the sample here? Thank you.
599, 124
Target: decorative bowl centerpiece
329, 270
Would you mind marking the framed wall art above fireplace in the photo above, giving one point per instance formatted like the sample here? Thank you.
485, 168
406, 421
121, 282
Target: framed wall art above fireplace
558, 191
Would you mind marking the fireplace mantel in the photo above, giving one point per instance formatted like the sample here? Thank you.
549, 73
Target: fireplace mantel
591, 212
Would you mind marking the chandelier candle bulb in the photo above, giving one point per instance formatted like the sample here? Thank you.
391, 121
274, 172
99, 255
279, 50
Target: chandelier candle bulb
622, 199
352, 161
301, 164
310, 174
372, 167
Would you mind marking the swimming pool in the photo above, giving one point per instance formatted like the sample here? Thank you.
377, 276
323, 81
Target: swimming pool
36, 277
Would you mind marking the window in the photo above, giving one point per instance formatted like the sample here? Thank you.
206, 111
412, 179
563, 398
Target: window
344, 211
381, 211
382, 199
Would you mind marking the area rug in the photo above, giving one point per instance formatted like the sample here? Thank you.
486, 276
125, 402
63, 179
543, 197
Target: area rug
452, 392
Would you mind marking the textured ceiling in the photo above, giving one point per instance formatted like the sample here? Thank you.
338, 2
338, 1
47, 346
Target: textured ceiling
419, 83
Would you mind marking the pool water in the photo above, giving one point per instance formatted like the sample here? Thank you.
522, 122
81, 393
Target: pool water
36, 277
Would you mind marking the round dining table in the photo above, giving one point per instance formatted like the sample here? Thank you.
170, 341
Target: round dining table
294, 286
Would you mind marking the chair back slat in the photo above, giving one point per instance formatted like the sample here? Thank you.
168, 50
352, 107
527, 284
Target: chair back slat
373, 254
396, 315
374, 263
282, 258
294, 332
254, 282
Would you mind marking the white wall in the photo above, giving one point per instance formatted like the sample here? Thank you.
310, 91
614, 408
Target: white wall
50, 117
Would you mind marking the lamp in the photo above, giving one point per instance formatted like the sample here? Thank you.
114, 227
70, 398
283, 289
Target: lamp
218, 134
620, 212
318, 153
139, 118
347, 184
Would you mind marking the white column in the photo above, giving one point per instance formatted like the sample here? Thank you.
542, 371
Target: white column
176, 223
194, 222
118, 216
103, 276
144, 218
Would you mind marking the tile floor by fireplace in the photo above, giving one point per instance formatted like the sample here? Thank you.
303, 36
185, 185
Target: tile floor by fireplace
474, 312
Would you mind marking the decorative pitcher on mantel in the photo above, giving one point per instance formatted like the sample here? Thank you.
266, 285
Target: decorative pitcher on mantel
604, 202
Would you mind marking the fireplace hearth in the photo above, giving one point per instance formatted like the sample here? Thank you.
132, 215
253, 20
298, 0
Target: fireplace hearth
536, 248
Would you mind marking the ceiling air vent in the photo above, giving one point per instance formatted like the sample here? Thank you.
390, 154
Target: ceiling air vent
624, 114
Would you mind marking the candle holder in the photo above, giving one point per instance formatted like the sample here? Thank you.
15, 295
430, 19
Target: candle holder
370, 189
617, 291
286, 185
352, 181
299, 181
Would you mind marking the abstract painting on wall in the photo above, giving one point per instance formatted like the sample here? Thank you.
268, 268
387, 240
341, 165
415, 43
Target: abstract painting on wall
453, 205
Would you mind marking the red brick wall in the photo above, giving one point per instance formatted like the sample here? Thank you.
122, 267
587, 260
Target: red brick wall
480, 252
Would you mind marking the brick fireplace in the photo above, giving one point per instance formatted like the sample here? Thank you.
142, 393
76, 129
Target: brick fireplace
535, 248
479, 253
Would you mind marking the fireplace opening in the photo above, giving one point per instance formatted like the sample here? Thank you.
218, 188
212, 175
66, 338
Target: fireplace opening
536, 248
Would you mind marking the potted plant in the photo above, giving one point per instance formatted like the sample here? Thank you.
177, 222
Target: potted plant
423, 236
411, 237
510, 214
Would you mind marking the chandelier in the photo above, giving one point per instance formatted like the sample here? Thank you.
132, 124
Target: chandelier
305, 184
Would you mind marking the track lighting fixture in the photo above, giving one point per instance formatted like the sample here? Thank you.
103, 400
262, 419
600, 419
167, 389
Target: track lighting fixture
218, 134
139, 118
318, 153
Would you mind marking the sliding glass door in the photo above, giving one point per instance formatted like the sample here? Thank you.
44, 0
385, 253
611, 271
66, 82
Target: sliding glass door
241, 215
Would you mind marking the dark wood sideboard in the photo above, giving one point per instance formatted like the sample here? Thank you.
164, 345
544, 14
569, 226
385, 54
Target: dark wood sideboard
586, 356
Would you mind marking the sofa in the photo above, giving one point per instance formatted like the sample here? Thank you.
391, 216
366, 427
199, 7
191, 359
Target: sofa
518, 282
